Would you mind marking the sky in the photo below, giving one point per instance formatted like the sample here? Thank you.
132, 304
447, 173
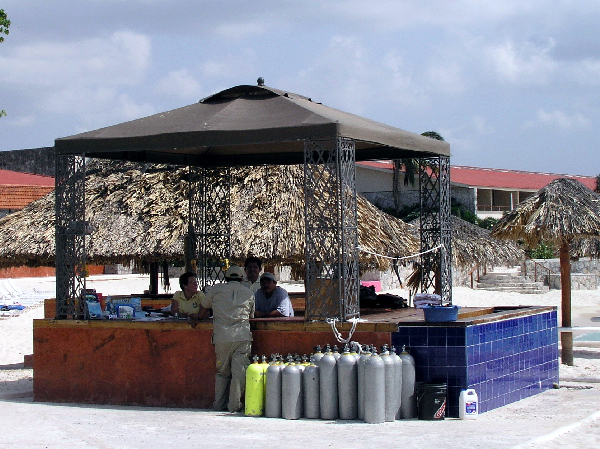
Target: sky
508, 84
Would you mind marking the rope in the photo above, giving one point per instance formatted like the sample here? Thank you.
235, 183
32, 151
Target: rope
338, 335
399, 258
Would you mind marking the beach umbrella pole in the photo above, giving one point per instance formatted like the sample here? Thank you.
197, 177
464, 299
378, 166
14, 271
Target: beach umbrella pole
566, 337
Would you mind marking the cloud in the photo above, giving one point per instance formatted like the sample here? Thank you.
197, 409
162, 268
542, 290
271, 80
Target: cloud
559, 119
85, 80
354, 75
585, 72
481, 126
181, 84
446, 78
239, 30
94, 107
522, 63
120, 59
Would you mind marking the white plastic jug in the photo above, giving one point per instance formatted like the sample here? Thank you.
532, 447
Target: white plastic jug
468, 405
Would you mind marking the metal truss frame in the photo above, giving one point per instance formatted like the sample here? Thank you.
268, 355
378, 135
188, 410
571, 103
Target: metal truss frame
70, 230
436, 231
210, 222
332, 273
332, 276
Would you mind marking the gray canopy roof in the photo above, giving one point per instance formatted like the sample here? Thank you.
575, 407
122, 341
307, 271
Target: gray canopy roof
246, 125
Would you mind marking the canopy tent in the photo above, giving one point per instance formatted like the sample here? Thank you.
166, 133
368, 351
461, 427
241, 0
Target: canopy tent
246, 125
255, 125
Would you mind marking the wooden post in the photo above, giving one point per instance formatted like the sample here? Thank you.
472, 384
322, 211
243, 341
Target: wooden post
566, 338
153, 278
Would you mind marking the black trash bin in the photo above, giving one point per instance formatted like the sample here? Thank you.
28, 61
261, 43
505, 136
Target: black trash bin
431, 401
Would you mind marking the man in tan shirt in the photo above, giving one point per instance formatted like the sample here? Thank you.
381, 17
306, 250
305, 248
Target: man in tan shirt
233, 306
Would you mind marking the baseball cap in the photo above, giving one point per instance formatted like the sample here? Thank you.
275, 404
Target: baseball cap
268, 275
234, 272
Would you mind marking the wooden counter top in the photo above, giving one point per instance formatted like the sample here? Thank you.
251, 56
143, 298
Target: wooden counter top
375, 320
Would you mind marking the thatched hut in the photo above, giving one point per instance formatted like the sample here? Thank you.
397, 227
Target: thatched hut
472, 247
562, 212
472, 244
138, 213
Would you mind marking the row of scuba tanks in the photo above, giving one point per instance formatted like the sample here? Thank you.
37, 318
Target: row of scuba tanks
353, 385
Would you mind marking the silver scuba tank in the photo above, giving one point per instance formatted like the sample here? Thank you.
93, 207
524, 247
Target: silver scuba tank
328, 390
273, 389
317, 354
347, 385
291, 391
374, 389
408, 406
398, 382
310, 385
336, 352
390, 385
361, 380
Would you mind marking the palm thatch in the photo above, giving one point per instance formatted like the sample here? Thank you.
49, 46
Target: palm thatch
138, 213
586, 248
472, 245
562, 212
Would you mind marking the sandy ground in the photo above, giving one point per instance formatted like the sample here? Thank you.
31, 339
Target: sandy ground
567, 417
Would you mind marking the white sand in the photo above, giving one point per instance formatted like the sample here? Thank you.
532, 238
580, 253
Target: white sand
566, 417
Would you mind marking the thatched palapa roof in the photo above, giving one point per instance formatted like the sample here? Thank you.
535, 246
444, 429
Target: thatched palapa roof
561, 212
586, 248
472, 244
138, 213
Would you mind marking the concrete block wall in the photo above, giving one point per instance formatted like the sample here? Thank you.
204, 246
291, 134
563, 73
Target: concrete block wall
585, 273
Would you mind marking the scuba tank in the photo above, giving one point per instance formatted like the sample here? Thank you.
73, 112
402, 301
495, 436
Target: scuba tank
408, 406
328, 396
347, 385
361, 381
317, 354
255, 389
291, 391
310, 385
273, 389
374, 389
354, 353
391, 399
265, 365
336, 352
398, 380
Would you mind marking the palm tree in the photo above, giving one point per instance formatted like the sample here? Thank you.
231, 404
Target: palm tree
410, 167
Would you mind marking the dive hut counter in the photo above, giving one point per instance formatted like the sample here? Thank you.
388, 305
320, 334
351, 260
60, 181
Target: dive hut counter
504, 354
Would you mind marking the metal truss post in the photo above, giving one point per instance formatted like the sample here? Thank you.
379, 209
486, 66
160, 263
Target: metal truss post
436, 231
70, 232
332, 278
195, 210
210, 222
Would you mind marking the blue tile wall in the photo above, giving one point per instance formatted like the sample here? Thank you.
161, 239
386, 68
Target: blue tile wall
504, 361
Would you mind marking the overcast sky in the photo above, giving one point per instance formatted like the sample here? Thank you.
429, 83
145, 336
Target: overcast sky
509, 84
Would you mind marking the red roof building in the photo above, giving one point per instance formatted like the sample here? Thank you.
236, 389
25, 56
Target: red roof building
18, 189
509, 179
489, 192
